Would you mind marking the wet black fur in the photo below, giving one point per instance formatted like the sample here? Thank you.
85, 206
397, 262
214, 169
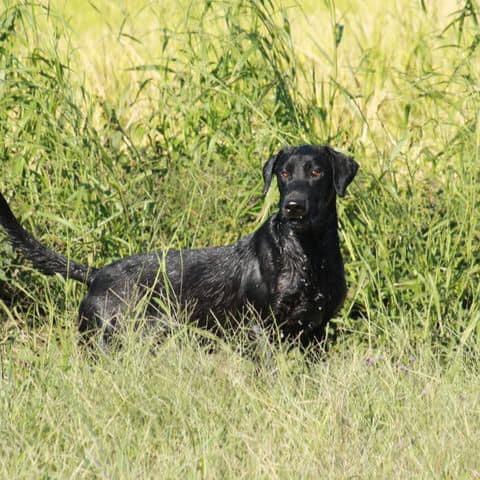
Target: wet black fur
290, 270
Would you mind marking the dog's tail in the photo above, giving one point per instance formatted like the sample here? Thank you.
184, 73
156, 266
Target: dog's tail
43, 259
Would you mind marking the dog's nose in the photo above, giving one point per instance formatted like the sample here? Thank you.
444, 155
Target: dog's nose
295, 209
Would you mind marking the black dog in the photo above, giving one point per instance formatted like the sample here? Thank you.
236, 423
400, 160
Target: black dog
290, 271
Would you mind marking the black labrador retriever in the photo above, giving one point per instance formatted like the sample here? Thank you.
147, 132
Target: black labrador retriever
290, 271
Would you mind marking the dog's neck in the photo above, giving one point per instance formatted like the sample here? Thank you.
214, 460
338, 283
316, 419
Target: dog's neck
303, 267
314, 240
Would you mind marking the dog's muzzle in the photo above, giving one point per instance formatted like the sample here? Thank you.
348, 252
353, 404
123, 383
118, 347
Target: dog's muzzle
295, 210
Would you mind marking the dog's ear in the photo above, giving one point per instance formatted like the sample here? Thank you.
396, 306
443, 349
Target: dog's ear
268, 169
268, 173
344, 169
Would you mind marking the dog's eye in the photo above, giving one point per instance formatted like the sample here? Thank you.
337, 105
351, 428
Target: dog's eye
284, 174
316, 173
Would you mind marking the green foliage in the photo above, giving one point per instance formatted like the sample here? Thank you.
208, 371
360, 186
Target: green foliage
186, 171
160, 144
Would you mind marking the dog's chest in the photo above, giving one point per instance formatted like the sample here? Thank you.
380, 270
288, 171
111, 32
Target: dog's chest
301, 289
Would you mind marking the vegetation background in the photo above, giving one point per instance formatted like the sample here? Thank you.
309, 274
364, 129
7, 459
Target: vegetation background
138, 125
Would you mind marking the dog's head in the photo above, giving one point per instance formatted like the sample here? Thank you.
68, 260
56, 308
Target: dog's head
309, 178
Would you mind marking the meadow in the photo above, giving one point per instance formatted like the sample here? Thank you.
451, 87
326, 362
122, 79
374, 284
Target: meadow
137, 125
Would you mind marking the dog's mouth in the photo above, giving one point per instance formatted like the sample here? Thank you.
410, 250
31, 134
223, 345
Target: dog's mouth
304, 223
300, 220
298, 223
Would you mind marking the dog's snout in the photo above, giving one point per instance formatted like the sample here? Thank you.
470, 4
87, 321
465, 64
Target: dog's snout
295, 209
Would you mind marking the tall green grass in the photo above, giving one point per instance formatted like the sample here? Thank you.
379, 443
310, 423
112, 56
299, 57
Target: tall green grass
137, 126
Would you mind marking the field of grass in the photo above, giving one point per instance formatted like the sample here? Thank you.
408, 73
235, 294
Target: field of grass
132, 126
